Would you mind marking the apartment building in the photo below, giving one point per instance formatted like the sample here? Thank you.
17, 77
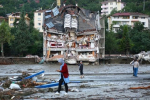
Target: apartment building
39, 19
127, 18
74, 34
16, 16
109, 5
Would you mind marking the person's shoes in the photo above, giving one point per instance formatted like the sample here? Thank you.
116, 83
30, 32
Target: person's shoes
57, 93
66, 93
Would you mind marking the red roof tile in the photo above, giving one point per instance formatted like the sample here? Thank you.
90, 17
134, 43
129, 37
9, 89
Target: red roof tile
1, 17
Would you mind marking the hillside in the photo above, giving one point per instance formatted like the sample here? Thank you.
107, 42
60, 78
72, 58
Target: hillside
10, 6
137, 6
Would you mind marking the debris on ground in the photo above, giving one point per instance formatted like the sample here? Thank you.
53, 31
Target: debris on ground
17, 86
141, 87
74, 90
14, 86
38, 59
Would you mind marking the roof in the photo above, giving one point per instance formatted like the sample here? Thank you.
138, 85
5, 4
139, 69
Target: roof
104, 2
1, 17
128, 14
39, 11
56, 19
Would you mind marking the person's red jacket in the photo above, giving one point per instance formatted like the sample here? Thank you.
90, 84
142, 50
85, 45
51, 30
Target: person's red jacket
64, 71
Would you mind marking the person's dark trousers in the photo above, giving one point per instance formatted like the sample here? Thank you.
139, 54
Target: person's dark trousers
135, 72
81, 72
65, 84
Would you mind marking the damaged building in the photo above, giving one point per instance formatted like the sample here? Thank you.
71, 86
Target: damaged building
73, 33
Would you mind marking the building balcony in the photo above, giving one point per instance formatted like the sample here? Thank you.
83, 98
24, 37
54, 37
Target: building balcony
116, 25
135, 20
52, 39
104, 6
121, 20
104, 11
56, 49
85, 49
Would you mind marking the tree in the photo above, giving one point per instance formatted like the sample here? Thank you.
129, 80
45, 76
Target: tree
113, 12
125, 43
5, 35
37, 41
110, 42
138, 26
140, 38
22, 36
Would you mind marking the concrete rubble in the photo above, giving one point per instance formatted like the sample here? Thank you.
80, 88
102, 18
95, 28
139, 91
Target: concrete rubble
143, 56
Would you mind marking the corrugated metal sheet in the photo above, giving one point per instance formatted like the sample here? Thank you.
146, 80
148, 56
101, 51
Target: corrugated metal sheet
74, 23
48, 16
50, 25
55, 11
67, 22
48, 11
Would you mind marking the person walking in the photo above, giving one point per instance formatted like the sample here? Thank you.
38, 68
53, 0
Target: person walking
136, 65
64, 76
81, 69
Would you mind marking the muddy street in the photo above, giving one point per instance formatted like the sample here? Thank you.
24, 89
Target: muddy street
103, 82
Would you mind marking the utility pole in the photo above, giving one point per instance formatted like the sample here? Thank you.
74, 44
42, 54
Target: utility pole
144, 5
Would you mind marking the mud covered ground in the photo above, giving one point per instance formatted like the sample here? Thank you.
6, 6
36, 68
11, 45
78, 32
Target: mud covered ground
103, 82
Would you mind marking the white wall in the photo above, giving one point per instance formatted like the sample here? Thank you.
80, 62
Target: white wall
129, 21
38, 20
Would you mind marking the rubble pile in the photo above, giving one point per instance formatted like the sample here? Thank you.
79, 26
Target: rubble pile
17, 87
143, 56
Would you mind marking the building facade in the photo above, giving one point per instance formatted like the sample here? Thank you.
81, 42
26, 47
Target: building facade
73, 33
39, 19
109, 5
16, 16
128, 18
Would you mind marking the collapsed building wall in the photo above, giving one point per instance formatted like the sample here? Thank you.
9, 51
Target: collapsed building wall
74, 34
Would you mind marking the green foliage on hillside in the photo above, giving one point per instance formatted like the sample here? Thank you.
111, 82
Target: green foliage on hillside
10, 6
137, 6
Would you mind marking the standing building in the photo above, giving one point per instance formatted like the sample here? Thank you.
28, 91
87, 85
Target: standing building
39, 19
128, 18
109, 5
16, 16
73, 33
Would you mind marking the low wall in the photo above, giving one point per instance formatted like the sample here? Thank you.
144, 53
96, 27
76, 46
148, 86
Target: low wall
125, 60
17, 60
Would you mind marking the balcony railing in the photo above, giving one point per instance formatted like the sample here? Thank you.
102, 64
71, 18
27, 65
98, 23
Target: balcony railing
104, 6
104, 10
